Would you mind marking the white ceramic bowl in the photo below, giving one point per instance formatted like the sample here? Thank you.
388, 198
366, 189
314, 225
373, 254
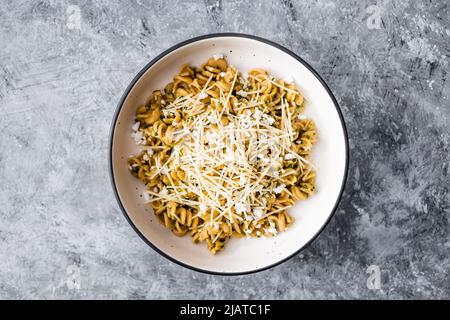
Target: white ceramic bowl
330, 155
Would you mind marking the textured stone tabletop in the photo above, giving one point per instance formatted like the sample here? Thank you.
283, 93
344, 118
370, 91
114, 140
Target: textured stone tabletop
63, 68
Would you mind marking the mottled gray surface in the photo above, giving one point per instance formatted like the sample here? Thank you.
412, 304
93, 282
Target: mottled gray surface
61, 232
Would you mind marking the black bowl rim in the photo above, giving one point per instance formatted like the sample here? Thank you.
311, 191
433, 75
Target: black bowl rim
159, 57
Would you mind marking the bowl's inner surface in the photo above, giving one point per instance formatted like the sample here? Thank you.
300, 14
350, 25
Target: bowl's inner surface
329, 156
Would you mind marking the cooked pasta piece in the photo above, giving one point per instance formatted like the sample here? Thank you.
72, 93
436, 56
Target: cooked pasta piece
224, 155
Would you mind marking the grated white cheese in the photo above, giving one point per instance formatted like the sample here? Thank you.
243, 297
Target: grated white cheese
135, 126
242, 181
279, 189
246, 82
139, 138
240, 207
164, 170
218, 56
211, 118
242, 93
246, 121
203, 207
258, 114
230, 126
212, 138
147, 196
202, 95
214, 224
229, 156
257, 213
164, 191
289, 79
268, 120
272, 230
289, 156
167, 113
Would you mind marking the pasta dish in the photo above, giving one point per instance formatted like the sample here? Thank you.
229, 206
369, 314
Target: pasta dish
224, 153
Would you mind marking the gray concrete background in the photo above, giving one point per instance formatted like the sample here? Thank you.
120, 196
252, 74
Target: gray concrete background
61, 232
